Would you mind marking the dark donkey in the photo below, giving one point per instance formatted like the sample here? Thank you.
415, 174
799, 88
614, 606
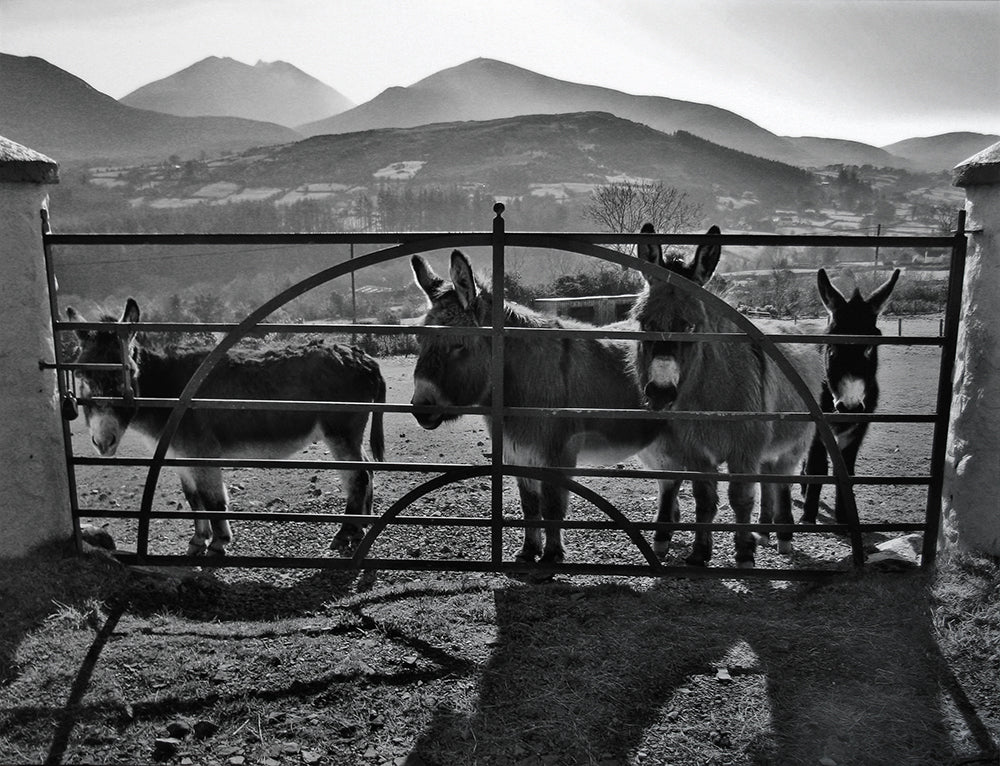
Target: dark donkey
316, 371
851, 383
737, 377
538, 372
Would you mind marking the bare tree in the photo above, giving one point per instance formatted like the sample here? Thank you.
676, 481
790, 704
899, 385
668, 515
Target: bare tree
624, 207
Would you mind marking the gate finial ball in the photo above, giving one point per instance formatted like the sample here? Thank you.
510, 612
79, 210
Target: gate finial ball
498, 208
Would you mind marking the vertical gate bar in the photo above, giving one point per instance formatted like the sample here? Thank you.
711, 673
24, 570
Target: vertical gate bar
74, 503
939, 445
496, 372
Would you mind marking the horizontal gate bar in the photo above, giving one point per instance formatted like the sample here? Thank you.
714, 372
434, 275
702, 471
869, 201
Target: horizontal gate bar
508, 568
627, 473
512, 239
514, 332
509, 522
281, 405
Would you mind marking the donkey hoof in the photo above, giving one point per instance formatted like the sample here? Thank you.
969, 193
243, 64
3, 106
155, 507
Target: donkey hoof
344, 547
696, 561
747, 564
661, 548
785, 547
762, 538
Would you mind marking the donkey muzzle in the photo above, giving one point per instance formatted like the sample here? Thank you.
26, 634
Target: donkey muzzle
660, 397
850, 408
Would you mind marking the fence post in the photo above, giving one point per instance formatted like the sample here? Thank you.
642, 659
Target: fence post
34, 489
971, 512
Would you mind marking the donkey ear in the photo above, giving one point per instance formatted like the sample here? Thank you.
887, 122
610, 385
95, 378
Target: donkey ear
75, 317
706, 258
131, 313
463, 279
129, 316
878, 298
649, 252
832, 298
425, 277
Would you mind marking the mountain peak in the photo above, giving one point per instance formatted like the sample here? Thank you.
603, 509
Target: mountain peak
268, 91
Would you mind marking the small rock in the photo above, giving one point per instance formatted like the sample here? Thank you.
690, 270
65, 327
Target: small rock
97, 536
311, 756
827, 761
236, 760
722, 676
291, 748
165, 747
203, 729
179, 729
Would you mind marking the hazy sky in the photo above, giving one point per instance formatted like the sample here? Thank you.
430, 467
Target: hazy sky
870, 70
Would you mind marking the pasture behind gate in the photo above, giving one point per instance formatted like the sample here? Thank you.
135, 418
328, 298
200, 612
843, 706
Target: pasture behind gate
908, 377
634, 562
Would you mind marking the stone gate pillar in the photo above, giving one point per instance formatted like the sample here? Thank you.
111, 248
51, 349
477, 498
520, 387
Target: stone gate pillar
34, 489
971, 508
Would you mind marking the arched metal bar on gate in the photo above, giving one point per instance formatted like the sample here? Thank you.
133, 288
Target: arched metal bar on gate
838, 466
548, 475
242, 329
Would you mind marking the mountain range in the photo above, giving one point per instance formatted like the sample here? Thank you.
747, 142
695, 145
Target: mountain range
48, 109
484, 89
267, 91
76, 122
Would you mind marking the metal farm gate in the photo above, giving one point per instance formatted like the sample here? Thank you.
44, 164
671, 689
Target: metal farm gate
399, 245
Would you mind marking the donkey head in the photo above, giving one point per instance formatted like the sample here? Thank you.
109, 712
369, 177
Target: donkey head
107, 422
851, 368
452, 369
664, 366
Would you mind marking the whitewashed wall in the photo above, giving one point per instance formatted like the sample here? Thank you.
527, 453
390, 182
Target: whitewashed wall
971, 509
34, 490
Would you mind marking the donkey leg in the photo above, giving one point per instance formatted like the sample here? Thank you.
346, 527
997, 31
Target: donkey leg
357, 486
530, 491
741, 498
656, 458
555, 501
205, 491
706, 499
778, 500
198, 543
767, 505
850, 453
816, 464
667, 511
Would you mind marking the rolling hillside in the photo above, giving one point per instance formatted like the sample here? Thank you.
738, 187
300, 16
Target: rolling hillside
514, 155
50, 110
485, 89
268, 91
941, 152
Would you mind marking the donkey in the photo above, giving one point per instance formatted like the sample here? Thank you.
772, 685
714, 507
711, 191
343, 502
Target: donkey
735, 377
316, 371
538, 372
850, 384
